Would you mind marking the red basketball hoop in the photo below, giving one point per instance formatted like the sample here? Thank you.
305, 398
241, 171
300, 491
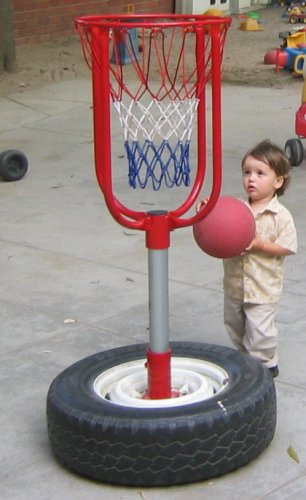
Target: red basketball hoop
158, 94
156, 70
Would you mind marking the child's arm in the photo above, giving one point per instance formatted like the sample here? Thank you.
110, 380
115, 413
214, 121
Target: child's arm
268, 247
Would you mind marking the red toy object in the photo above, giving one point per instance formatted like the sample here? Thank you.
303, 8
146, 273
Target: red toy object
300, 122
296, 15
227, 230
294, 147
281, 59
270, 56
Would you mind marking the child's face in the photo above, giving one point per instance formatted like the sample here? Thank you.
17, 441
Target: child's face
259, 180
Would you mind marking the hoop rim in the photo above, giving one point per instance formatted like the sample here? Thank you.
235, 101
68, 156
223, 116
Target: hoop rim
208, 34
150, 20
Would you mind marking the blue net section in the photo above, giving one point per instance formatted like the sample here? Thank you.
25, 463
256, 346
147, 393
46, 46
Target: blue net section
164, 164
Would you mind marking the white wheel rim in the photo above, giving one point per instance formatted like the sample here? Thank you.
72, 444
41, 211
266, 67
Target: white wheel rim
195, 380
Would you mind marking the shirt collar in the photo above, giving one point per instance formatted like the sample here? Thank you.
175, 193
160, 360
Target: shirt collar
273, 205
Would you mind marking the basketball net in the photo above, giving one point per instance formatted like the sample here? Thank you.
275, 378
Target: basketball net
157, 140
157, 110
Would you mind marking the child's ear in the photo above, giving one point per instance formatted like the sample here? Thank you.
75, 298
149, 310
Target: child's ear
279, 182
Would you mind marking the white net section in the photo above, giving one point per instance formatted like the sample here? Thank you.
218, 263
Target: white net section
166, 120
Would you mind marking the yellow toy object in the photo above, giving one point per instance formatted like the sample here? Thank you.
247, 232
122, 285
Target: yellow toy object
131, 8
296, 15
303, 72
296, 69
304, 93
250, 25
295, 39
213, 12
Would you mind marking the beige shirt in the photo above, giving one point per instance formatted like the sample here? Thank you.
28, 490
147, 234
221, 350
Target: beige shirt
256, 277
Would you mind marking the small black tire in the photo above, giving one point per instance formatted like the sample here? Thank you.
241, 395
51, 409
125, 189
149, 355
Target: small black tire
295, 151
13, 165
162, 446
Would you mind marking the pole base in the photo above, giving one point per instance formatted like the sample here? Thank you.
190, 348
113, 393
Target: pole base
159, 374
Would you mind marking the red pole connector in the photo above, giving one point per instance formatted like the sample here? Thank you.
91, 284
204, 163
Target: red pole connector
159, 374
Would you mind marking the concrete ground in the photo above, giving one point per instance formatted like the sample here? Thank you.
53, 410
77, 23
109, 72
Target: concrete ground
74, 282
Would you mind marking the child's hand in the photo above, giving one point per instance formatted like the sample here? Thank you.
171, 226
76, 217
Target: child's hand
256, 245
201, 204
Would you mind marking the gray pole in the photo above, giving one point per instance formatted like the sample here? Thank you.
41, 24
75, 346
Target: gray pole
158, 300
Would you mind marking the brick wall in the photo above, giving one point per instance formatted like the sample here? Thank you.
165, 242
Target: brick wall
44, 20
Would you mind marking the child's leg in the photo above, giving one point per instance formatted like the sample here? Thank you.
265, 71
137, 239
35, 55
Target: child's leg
234, 321
260, 338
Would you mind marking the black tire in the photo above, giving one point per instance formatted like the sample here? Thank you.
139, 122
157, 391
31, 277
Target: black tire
161, 446
294, 151
13, 165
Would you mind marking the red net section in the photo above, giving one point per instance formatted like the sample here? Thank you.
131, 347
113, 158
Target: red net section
159, 55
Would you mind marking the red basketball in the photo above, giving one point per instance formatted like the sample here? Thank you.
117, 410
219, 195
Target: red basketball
227, 230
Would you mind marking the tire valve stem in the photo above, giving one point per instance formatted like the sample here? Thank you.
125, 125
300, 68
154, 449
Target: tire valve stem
222, 407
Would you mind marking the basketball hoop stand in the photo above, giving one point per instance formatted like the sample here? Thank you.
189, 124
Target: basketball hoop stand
173, 412
183, 92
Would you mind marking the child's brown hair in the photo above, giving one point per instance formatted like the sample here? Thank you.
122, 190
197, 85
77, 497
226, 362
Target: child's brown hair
274, 156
